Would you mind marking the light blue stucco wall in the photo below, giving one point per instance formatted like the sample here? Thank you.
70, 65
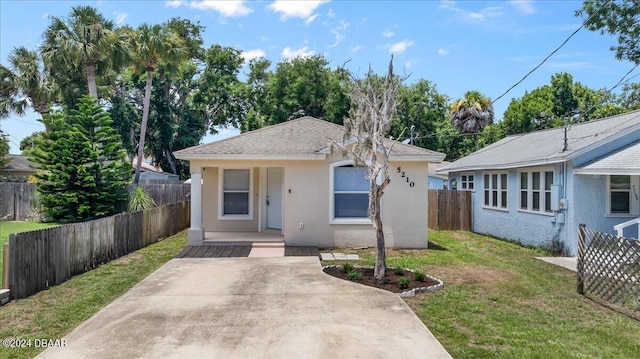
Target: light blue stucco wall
436, 183
585, 197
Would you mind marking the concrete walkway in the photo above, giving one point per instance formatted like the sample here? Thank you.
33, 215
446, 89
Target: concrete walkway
250, 308
569, 263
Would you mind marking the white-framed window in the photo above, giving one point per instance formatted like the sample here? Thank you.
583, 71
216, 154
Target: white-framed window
235, 200
535, 190
495, 190
349, 194
467, 182
623, 195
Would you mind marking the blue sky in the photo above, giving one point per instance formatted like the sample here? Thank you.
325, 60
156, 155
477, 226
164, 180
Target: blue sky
458, 45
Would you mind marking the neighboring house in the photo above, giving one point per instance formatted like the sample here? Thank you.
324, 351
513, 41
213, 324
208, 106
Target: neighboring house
529, 188
286, 177
438, 180
18, 167
151, 173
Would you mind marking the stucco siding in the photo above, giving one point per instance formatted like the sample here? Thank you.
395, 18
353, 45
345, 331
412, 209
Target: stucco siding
306, 201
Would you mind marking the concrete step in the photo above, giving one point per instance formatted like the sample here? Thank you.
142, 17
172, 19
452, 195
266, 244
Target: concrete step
279, 244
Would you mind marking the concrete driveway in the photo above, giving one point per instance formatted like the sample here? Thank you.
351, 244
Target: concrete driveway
250, 308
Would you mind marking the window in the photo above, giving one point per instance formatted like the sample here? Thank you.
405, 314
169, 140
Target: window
351, 192
236, 189
466, 182
535, 191
495, 190
620, 194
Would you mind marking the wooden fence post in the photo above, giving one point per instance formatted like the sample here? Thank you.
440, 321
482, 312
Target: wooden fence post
5, 266
580, 262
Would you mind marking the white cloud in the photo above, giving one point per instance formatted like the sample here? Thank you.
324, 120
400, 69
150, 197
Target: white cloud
225, 8
442, 51
331, 14
356, 48
299, 9
481, 15
288, 53
400, 47
45, 15
252, 54
524, 6
120, 17
338, 32
388, 33
174, 3
310, 19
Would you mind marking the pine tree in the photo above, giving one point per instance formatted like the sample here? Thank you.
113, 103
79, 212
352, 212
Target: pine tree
83, 171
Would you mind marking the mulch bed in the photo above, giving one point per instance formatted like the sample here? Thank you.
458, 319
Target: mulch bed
391, 279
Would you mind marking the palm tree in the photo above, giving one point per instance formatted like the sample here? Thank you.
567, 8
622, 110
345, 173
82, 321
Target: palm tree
153, 45
472, 113
87, 40
25, 84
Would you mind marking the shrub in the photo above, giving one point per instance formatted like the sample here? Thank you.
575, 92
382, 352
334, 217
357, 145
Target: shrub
139, 200
354, 275
347, 268
404, 282
418, 276
398, 271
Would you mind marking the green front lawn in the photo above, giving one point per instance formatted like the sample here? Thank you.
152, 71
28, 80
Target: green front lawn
500, 302
8, 228
52, 313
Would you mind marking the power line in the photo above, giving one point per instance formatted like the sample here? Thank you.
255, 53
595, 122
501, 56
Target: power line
551, 54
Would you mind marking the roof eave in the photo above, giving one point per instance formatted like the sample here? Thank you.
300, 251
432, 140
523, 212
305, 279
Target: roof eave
506, 166
209, 156
608, 171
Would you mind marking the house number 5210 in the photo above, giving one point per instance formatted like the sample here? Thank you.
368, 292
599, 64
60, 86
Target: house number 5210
403, 175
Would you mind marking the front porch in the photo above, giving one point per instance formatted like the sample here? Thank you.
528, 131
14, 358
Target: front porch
264, 237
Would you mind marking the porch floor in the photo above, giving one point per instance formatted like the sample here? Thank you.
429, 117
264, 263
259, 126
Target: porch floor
241, 251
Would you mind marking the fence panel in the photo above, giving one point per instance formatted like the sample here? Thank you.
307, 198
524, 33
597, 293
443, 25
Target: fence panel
18, 198
46, 257
450, 210
609, 268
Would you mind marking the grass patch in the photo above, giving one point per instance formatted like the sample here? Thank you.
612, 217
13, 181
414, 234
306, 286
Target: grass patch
53, 313
11, 227
500, 302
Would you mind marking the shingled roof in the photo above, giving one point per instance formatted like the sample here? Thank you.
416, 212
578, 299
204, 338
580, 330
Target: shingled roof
546, 146
19, 163
302, 138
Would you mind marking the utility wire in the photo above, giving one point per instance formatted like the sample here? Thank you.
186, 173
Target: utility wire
552, 53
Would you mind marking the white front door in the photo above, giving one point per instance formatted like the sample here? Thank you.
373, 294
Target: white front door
274, 197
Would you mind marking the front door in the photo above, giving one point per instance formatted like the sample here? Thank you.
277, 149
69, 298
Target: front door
274, 198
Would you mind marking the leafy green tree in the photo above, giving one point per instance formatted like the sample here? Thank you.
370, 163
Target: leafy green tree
28, 143
472, 113
153, 45
83, 169
28, 84
85, 41
621, 18
305, 87
220, 92
424, 108
4, 149
256, 95
124, 111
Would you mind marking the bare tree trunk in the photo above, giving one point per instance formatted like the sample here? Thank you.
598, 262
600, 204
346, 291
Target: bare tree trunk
381, 258
91, 80
143, 128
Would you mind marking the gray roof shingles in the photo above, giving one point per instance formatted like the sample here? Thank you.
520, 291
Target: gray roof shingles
302, 137
622, 160
546, 146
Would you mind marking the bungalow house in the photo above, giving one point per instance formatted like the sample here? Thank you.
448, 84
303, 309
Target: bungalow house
438, 180
539, 186
285, 179
18, 167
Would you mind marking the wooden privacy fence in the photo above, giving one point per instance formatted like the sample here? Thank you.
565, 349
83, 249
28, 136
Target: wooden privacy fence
17, 199
43, 258
450, 210
609, 268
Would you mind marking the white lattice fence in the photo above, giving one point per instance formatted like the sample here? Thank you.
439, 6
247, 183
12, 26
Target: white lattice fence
609, 268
